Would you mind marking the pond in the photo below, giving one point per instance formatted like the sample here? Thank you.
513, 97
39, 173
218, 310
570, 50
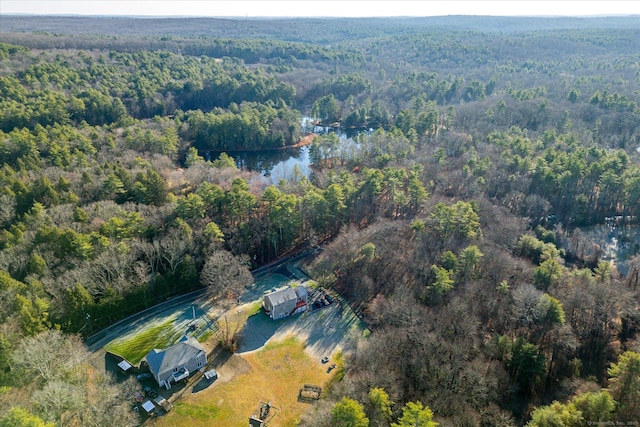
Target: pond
272, 164
275, 165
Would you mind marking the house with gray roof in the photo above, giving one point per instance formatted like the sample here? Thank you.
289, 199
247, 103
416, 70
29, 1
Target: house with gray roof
176, 362
285, 302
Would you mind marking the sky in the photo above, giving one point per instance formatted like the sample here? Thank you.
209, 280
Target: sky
311, 8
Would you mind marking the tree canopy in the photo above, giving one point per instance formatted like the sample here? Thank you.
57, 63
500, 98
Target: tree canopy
467, 178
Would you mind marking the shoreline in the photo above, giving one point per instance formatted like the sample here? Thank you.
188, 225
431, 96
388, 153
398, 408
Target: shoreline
302, 142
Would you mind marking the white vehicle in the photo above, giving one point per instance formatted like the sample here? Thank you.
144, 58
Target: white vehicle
211, 375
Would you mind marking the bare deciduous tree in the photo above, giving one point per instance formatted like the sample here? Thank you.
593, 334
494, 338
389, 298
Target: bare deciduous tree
50, 354
174, 248
225, 275
74, 393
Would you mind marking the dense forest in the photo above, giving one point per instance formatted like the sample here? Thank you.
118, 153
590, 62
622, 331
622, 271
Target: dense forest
455, 227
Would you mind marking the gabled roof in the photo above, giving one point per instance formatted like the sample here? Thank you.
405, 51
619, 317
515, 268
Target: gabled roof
301, 291
175, 356
282, 296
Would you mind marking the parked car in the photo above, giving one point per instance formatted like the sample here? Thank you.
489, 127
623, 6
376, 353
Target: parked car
211, 374
325, 360
331, 368
150, 392
145, 376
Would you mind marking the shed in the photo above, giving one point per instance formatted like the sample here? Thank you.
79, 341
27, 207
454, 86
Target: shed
148, 406
124, 365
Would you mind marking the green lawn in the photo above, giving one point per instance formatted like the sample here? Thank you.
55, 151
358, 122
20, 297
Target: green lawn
135, 347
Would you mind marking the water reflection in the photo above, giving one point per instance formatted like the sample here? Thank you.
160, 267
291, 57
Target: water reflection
279, 164
343, 133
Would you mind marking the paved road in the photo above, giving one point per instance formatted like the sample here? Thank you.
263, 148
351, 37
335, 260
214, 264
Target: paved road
97, 341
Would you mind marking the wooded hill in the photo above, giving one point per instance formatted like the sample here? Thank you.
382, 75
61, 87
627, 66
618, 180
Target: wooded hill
452, 227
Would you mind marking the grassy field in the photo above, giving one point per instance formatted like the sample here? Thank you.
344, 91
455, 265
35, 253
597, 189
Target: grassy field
277, 372
159, 332
135, 347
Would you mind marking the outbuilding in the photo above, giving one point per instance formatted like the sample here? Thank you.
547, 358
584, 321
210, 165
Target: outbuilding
124, 365
148, 407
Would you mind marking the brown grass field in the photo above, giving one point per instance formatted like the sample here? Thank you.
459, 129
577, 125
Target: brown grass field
276, 374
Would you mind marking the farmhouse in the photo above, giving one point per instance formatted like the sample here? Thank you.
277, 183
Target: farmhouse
285, 302
176, 362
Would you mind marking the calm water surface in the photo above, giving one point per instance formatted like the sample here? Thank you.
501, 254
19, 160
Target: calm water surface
275, 165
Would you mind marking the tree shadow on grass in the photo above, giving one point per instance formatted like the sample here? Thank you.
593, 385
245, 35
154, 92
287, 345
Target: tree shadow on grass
258, 330
332, 328
218, 357
203, 384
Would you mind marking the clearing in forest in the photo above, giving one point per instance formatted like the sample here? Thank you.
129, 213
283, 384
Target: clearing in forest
275, 374
160, 332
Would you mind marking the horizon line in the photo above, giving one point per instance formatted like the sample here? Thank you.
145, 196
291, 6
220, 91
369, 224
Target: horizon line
80, 15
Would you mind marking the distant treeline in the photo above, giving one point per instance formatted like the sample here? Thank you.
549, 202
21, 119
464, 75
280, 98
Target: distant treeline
451, 225
309, 30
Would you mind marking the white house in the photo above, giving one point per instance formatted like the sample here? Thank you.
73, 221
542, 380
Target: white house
285, 302
176, 362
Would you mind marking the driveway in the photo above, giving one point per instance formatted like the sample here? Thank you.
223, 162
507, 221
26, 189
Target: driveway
325, 330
